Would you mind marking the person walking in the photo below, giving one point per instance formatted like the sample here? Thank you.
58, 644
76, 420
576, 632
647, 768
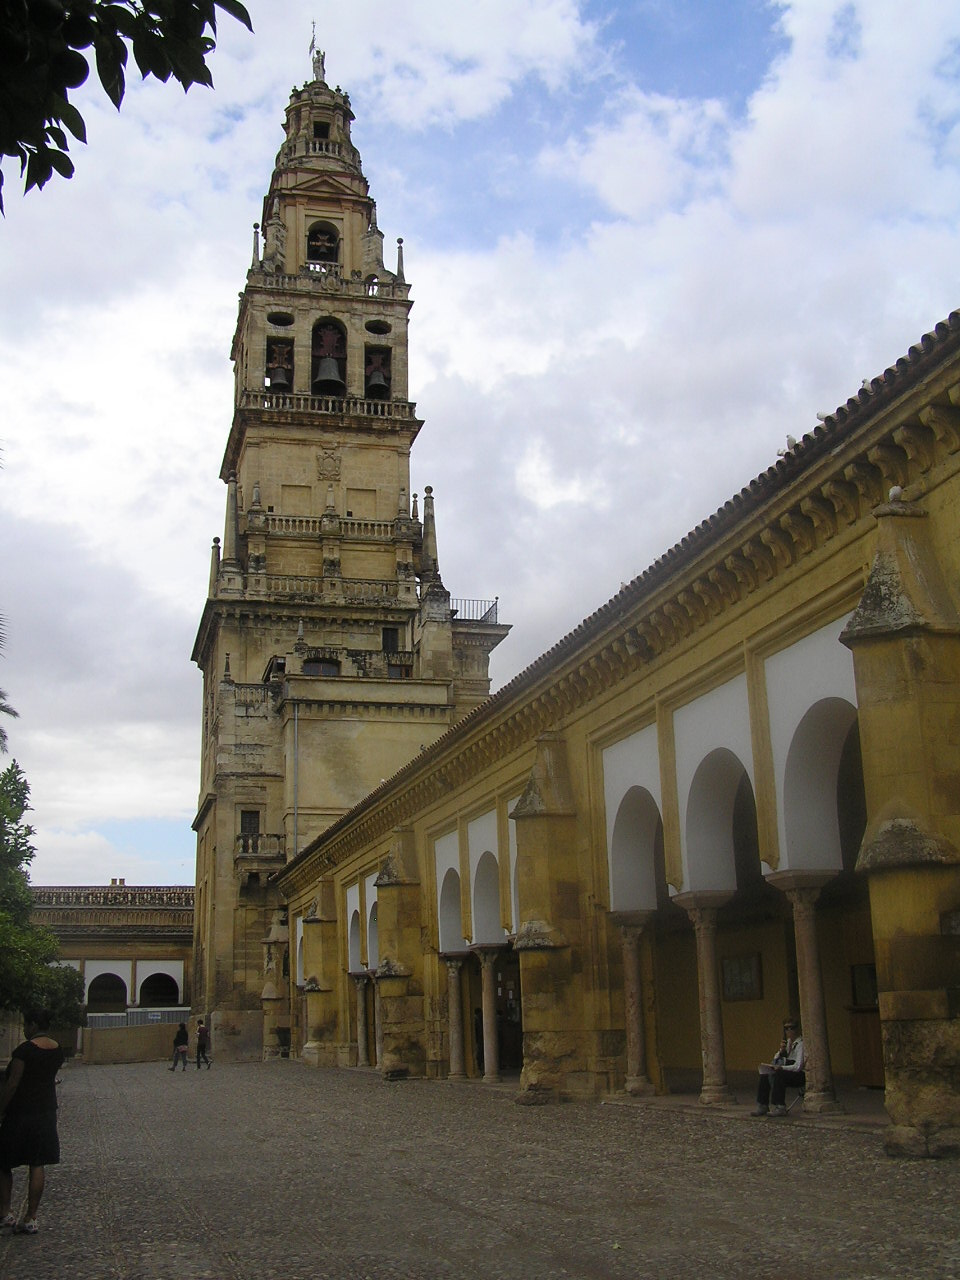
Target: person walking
203, 1042
28, 1128
180, 1042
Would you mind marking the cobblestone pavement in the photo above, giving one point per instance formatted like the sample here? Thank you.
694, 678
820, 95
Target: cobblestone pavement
278, 1170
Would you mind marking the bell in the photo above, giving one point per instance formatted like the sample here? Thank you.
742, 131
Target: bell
279, 379
327, 378
377, 386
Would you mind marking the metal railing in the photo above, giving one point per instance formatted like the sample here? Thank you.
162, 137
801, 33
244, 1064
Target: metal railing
300, 402
138, 1017
475, 610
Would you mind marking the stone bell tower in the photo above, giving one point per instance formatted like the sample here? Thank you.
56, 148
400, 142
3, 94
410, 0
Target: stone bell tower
330, 649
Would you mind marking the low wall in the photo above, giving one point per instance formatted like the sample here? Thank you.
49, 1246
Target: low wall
148, 1043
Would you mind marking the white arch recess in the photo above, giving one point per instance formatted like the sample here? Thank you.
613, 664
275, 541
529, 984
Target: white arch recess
170, 968
354, 943
108, 974
373, 940
812, 697
451, 922
810, 819
486, 900
122, 969
711, 861
713, 751
633, 881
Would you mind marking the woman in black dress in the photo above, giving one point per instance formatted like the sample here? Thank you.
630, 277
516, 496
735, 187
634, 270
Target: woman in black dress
28, 1106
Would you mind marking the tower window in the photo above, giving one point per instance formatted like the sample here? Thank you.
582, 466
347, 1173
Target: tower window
329, 364
323, 243
249, 830
321, 667
329, 352
321, 129
399, 671
376, 373
391, 639
279, 363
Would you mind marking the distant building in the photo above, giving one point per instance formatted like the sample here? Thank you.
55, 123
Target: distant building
133, 945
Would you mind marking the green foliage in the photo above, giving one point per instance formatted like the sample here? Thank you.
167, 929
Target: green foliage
5, 707
42, 44
27, 973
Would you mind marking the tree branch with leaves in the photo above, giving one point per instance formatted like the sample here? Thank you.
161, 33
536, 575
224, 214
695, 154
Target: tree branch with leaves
45, 52
29, 974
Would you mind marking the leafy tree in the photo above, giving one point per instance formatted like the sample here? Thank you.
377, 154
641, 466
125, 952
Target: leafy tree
41, 60
5, 709
28, 975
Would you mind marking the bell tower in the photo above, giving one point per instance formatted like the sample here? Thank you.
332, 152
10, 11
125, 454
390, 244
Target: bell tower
331, 650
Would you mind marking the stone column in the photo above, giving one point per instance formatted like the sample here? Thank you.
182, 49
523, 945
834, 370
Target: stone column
905, 639
637, 1081
455, 1016
553, 940
363, 1045
702, 910
491, 1050
802, 891
400, 1008
377, 1020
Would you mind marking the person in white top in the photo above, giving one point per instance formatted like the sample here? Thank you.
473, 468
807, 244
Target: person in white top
787, 1068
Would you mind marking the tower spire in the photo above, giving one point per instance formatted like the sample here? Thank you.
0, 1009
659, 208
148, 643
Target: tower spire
431, 564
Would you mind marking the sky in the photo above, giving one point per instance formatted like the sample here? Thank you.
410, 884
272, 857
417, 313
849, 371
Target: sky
646, 242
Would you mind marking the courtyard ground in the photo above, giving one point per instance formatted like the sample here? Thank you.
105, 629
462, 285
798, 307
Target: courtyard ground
249, 1172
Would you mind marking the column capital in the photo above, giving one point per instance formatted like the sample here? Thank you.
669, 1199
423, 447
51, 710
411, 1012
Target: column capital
798, 880
702, 906
635, 920
486, 954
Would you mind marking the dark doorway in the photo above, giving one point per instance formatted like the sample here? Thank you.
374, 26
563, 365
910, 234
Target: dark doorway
159, 991
107, 994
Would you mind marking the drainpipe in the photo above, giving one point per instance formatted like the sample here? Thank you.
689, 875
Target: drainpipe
296, 775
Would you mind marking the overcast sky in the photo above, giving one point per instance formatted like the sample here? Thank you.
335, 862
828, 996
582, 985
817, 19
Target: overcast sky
646, 241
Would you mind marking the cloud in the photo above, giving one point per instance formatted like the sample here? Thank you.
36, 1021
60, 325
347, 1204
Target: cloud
625, 299
651, 152
97, 665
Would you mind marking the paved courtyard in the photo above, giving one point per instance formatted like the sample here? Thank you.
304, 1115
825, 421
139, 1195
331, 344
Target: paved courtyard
277, 1170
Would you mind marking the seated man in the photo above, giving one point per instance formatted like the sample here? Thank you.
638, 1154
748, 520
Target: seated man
785, 1069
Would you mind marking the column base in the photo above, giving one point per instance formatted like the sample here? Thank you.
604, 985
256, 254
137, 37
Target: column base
491, 1079
310, 1053
918, 1144
639, 1086
717, 1095
821, 1103
454, 1076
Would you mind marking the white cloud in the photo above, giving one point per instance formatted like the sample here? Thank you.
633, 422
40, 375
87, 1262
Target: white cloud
651, 152
721, 275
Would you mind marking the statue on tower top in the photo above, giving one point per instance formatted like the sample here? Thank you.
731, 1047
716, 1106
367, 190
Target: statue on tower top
319, 70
